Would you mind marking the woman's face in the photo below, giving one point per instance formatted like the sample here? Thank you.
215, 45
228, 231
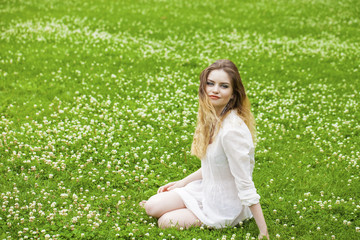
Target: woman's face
219, 89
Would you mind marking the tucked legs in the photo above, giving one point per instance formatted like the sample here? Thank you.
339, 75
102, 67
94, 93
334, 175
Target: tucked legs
179, 218
171, 211
162, 203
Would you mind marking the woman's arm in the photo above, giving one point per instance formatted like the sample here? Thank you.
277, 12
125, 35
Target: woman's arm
260, 220
183, 182
238, 147
192, 177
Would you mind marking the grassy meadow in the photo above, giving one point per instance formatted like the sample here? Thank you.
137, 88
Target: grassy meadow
98, 105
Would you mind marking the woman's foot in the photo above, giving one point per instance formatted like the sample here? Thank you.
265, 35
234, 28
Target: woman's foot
142, 203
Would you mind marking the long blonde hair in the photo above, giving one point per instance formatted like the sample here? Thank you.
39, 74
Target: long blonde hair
208, 123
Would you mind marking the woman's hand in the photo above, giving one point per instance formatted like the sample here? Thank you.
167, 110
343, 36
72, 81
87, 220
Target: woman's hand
170, 186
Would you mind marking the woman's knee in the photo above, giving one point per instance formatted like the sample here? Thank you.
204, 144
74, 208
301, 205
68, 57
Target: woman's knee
162, 203
153, 207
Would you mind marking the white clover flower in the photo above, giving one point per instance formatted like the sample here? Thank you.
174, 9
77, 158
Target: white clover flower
64, 195
307, 194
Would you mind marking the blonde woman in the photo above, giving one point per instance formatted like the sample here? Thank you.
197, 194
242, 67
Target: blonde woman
221, 193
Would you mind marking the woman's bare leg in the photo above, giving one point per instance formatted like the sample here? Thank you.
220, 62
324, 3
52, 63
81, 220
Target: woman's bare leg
179, 218
162, 203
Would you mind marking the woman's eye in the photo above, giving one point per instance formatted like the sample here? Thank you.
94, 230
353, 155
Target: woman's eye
224, 86
209, 83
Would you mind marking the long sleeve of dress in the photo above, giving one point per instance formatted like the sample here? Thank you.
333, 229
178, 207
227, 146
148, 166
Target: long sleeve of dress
238, 147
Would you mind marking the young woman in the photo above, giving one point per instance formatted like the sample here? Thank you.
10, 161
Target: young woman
221, 193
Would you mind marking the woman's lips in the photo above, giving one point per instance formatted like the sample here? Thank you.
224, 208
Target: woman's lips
214, 97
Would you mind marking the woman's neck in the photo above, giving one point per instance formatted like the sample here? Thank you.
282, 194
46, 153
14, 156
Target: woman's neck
219, 111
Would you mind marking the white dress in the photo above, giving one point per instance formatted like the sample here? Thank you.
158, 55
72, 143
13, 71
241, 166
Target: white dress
223, 196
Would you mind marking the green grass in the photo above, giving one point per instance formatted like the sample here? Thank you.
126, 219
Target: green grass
99, 103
